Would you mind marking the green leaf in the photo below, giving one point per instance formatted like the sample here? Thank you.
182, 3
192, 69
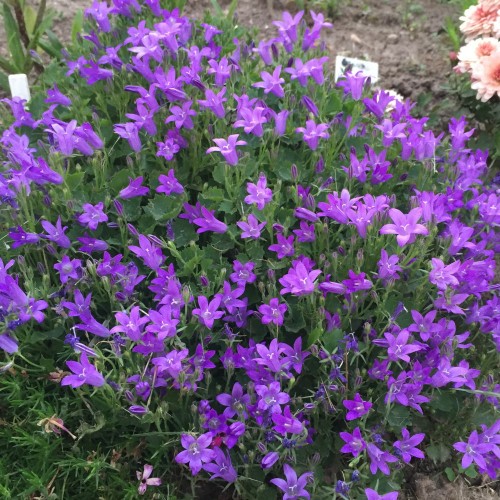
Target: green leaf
450, 474
471, 472
74, 180
77, 26
162, 208
331, 339
446, 402
438, 453
13, 39
295, 321
219, 173
184, 232
314, 336
398, 417
4, 80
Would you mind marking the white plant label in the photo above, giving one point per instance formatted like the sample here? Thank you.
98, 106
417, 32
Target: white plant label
369, 68
19, 86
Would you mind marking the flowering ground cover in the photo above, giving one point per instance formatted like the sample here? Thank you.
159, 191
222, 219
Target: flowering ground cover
225, 274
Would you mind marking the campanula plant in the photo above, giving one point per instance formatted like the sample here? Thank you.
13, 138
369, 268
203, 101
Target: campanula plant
223, 266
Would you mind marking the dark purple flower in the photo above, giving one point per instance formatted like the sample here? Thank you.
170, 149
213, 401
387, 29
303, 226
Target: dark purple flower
221, 467
355, 443
134, 189
379, 459
208, 222
237, 402
56, 233
243, 273
273, 313
357, 407
293, 488
407, 446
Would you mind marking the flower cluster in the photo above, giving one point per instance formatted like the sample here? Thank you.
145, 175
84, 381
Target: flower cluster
269, 267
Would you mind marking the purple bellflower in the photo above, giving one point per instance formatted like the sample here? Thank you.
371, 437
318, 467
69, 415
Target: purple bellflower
405, 226
196, 451
227, 148
293, 487
83, 373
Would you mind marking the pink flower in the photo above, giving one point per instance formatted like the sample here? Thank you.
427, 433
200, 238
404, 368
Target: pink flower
145, 480
486, 76
474, 51
479, 19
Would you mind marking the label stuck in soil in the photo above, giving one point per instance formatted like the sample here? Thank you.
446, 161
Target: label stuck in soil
369, 68
19, 86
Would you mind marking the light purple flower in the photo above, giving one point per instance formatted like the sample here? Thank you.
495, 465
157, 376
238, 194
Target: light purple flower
227, 148
169, 184
252, 228
474, 451
196, 451
92, 215
259, 193
208, 312
84, 373
405, 226
271, 83
298, 280
373, 495
68, 268
312, 133
284, 247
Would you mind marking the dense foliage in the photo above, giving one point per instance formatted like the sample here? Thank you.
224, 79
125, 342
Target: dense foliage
220, 264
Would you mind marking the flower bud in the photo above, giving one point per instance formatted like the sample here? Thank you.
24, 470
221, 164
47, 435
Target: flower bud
138, 410
294, 172
129, 395
118, 207
204, 281
270, 459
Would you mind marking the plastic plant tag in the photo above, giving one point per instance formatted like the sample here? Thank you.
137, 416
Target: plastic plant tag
369, 68
19, 86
